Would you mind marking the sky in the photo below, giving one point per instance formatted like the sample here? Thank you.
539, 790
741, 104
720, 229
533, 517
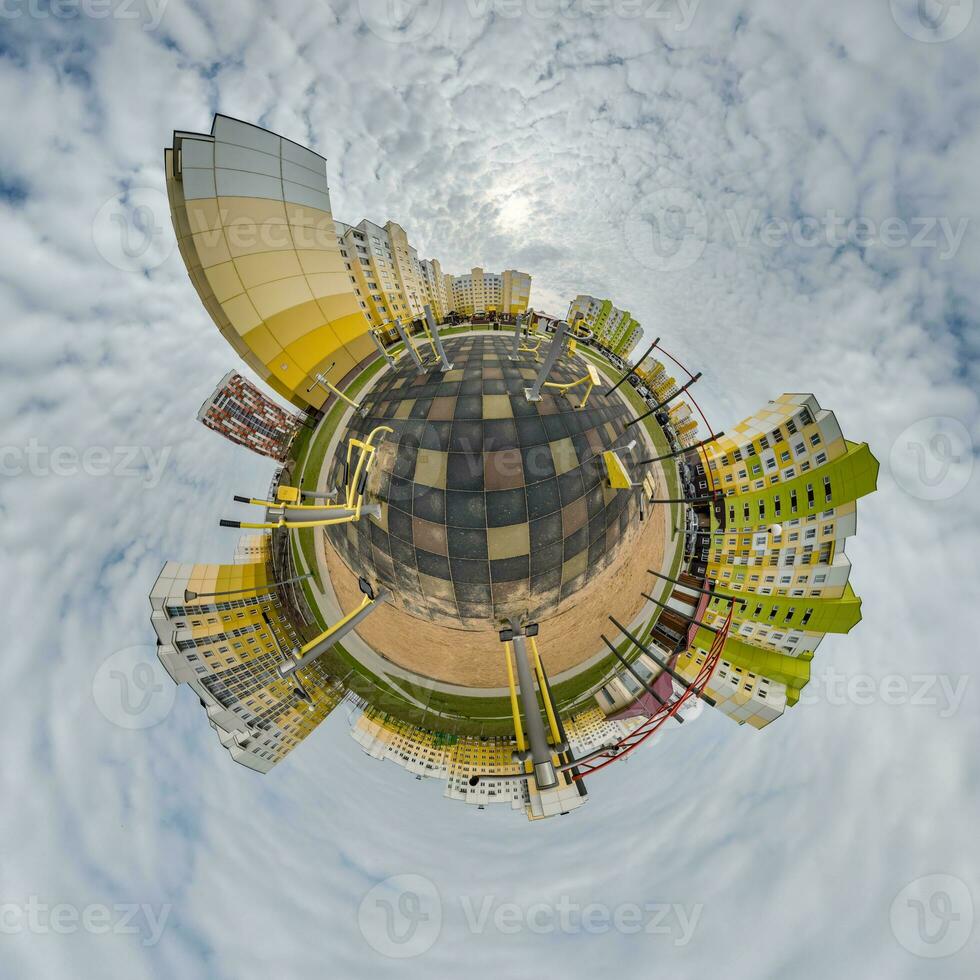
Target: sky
785, 193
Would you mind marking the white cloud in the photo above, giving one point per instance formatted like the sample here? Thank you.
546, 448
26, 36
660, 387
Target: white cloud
794, 840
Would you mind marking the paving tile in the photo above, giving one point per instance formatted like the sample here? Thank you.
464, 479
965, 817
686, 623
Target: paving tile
497, 407
508, 541
429, 536
509, 569
503, 470
467, 542
506, 507
542, 499
574, 516
539, 464
545, 530
429, 503
563, 454
430, 468
575, 566
499, 434
442, 408
465, 509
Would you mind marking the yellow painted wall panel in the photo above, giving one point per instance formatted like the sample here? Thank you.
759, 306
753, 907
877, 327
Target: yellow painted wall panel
223, 281
210, 247
307, 217
350, 326
332, 284
285, 370
241, 313
309, 351
361, 347
260, 229
274, 297
202, 215
263, 267
340, 305
295, 322
321, 260
262, 343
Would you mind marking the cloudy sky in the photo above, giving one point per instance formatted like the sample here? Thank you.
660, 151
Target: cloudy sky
786, 193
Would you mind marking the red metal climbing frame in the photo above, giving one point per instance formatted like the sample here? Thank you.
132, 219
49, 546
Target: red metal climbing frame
637, 737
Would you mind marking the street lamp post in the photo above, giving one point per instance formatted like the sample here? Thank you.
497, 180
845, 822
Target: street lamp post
191, 596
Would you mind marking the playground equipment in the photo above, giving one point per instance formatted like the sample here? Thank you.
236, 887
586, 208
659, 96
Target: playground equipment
429, 323
431, 332
526, 338
410, 349
321, 380
287, 511
591, 379
617, 476
390, 356
563, 341
297, 658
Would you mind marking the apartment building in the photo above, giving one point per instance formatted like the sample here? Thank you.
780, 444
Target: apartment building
245, 416
455, 759
226, 644
369, 255
506, 292
434, 281
791, 483
613, 328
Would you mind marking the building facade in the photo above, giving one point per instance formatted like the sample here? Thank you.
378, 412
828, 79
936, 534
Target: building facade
434, 280
613, 328
479, 292
681, 420
454, 759
251, 212
791, 483
369, 253
227, 648
242, 414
